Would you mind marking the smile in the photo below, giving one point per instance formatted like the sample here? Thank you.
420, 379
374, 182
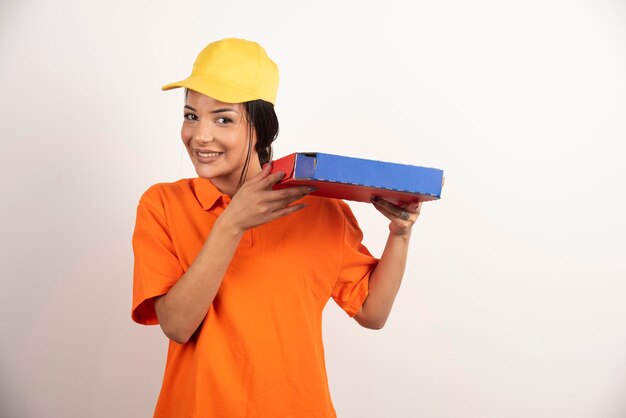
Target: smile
207, 156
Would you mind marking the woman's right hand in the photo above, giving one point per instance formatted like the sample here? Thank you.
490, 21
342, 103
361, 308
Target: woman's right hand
256, 203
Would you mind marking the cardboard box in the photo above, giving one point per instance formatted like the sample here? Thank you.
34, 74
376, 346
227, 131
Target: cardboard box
359, 179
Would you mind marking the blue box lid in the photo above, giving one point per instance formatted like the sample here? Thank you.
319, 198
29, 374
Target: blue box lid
369, 173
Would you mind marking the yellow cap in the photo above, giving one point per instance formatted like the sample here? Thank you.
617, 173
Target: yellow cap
233, 71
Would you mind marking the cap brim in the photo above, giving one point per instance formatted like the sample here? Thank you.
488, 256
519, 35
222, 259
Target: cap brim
213, 88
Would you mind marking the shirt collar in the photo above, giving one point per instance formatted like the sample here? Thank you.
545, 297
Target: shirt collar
208, 195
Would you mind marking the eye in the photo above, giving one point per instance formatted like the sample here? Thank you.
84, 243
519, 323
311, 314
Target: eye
190, 116
223, 120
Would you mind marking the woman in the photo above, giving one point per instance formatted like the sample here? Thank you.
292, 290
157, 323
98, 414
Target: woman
237, 274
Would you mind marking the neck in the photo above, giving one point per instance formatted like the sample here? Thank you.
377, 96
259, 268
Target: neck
253, 169
230, 188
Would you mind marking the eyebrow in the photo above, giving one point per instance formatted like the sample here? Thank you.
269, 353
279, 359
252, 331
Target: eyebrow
224, 109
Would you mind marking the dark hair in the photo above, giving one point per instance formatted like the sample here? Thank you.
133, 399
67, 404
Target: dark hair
262, 120
262, 117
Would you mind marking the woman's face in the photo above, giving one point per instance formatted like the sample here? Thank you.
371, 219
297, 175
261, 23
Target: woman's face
216, 137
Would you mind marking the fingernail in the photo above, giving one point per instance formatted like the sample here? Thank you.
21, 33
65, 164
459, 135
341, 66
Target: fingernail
281, 175
311, 189
374, 199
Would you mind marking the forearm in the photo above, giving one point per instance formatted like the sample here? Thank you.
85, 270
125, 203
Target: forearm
385, 282
184, 307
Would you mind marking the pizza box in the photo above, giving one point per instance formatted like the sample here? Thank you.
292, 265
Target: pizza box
359, 179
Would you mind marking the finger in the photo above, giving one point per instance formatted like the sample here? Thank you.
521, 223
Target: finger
282, 203
395, 209
272, 179
279, 213
396, 212
288, 193
413, 207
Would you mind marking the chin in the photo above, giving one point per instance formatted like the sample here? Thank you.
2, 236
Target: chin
205, 172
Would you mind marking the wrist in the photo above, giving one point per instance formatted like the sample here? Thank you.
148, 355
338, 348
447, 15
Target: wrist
402, 236
228, 229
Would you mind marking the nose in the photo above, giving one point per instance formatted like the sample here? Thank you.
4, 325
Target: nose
203, 138
203, 133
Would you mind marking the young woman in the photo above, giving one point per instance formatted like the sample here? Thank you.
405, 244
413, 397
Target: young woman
237, 274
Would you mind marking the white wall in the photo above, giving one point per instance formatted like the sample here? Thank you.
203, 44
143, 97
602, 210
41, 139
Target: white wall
513, 301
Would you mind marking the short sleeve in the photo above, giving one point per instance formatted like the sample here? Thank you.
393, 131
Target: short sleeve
157, 267
351, 287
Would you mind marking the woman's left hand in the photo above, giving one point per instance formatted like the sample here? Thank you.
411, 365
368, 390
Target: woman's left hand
402, 217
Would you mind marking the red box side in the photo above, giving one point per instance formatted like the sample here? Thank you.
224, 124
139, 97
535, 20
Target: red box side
286, 165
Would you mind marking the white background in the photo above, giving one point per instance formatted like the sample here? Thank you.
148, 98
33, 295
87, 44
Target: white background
513, 300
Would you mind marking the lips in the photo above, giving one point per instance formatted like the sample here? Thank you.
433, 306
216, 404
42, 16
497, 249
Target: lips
206, 156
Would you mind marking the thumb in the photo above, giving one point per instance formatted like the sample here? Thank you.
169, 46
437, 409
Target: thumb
413, 207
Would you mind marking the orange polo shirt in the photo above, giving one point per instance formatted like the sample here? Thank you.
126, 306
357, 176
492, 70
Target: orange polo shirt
258, 353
